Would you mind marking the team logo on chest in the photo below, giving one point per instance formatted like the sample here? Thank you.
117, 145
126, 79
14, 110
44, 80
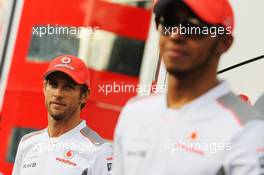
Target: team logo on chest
68, 154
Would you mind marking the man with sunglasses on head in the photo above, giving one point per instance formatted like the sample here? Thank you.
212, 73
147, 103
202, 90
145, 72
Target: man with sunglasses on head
198, 126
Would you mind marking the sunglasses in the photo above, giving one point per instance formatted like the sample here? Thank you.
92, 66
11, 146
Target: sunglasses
190, 27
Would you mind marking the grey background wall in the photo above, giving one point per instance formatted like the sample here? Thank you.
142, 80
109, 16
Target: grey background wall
248, 43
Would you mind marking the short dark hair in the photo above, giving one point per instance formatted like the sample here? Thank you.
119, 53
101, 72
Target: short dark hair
84, 91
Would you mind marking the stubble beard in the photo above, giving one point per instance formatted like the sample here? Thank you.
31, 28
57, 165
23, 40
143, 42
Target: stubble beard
197, 70
63, 116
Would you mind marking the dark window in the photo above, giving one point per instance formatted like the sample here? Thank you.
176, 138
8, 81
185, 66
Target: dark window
111, 52
100, 49
44, 47
126, 56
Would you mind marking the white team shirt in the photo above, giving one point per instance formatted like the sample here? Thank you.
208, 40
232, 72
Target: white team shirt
216, 133
80, 151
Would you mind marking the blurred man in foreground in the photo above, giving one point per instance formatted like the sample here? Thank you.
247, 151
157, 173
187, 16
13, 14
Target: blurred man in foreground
198, 126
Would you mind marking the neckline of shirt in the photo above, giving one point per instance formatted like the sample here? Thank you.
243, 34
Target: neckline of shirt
67, 134
221, 89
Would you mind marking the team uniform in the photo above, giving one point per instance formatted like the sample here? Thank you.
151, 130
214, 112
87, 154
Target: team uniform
260, 104
217, 133
80, 151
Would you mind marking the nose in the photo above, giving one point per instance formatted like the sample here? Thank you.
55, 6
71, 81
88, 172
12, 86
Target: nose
58, 92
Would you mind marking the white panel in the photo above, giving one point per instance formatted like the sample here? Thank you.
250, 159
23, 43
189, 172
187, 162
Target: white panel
10, 49
248, 43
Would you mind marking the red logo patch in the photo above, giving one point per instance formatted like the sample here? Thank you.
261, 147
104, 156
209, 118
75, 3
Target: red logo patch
68, 154
193, 136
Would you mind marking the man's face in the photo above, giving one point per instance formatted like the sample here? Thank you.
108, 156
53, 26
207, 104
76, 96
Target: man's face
62, 96
183, 53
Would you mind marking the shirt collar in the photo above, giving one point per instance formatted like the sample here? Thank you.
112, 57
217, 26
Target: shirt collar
68, 133
221, 89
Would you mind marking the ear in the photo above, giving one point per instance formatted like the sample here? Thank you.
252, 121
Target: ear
84, 97
225, 43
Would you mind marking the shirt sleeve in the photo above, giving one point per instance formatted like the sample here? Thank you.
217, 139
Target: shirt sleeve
246, 156
18, 161
103, 160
